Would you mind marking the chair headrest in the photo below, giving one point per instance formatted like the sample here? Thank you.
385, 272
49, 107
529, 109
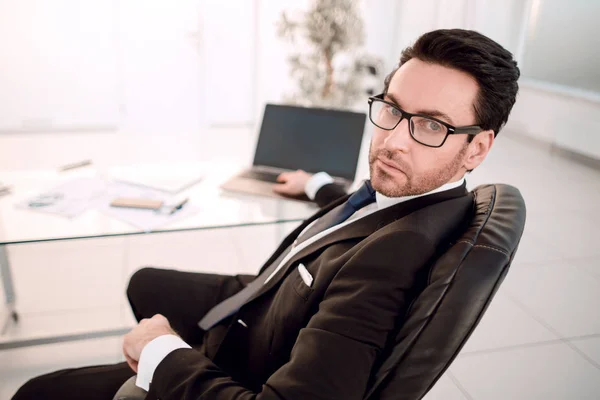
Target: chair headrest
499, 218
460, 286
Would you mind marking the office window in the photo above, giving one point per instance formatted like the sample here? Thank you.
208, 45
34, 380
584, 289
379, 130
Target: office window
561, 44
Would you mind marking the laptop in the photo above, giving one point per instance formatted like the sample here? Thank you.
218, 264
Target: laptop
311, 139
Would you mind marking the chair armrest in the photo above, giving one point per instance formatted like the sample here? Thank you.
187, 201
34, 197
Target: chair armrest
129, 391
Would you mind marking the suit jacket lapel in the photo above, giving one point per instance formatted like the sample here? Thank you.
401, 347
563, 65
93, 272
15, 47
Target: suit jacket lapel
358, 229
287, 242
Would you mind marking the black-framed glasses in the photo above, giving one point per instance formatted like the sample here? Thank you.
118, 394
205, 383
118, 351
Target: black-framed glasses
424, 129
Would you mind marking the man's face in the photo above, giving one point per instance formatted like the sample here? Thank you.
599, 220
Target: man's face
399, 165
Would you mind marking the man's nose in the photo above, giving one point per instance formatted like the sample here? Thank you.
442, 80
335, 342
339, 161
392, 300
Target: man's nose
399, 138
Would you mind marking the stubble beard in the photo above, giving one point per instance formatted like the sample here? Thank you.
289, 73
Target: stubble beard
386, 184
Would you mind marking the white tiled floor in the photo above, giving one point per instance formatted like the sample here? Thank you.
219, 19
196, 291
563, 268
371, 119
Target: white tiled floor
446, 389
546, 371
559, 294
540, 338
590, 347
506, 324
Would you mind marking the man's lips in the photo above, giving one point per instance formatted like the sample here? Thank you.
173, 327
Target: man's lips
390, 164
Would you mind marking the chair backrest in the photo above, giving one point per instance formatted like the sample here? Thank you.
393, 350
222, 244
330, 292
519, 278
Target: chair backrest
461, 285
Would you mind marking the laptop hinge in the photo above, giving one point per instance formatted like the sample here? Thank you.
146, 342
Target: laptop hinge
265, 168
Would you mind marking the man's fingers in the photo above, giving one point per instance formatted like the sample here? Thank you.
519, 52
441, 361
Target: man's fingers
281, 188
283, 177
132, 363
159, 317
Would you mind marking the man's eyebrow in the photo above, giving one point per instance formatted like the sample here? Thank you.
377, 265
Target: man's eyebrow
393, 99
431, 112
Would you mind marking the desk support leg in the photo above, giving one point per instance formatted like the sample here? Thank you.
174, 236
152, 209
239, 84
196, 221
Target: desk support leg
9, 312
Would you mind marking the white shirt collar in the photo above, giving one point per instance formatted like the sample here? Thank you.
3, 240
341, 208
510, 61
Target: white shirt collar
384, 201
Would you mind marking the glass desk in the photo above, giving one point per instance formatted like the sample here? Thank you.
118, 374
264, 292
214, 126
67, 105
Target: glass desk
218, 210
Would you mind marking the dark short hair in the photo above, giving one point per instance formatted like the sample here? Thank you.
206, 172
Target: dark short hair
492, 66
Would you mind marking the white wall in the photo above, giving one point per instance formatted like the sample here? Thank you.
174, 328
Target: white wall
151, 66
559, 119
228, 45
173, 63
161, 67
59, 65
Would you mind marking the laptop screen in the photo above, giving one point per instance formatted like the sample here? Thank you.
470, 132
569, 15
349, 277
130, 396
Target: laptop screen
312, 139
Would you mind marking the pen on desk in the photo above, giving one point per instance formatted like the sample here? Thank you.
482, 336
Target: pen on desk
76, 165
178, 206
4, 190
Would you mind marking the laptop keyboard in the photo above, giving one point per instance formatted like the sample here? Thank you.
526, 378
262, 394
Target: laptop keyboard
260, 176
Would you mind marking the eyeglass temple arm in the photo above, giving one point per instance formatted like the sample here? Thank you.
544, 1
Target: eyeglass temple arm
469, 130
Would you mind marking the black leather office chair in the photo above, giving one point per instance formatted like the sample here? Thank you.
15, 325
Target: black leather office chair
461, 285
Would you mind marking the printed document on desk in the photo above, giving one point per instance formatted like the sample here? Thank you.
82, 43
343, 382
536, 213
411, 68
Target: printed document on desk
69, 199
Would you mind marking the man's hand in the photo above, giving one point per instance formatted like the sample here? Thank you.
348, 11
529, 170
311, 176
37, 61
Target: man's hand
292, 183
146, 331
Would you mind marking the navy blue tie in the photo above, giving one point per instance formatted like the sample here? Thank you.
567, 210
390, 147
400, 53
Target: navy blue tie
364, 196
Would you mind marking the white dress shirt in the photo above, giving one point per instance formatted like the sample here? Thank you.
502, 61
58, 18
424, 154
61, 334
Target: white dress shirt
155, 351
316, 182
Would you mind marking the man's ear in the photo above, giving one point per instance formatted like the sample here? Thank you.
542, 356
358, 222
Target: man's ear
478, 149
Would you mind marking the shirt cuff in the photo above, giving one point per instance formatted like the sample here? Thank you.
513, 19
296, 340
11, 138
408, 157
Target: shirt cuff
152, 355
316, 182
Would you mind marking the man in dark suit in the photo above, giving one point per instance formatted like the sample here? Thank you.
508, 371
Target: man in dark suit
315, 322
